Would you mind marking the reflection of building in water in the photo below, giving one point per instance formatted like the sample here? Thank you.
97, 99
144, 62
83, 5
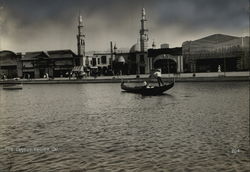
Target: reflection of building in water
205, 54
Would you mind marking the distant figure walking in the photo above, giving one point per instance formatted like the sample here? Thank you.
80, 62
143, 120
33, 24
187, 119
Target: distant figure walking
219, 68
28, 76
157, 75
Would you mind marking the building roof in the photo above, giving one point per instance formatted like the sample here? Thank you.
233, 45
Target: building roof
216, 38
49, 54
7, 53
172, 51
96, 53
8, 58
61, 54
35, 55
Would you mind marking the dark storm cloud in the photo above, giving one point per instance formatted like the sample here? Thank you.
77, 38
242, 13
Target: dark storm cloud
197, 14
29, 11
51, 24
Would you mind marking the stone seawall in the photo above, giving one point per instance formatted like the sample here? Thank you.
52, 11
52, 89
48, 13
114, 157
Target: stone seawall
133, 80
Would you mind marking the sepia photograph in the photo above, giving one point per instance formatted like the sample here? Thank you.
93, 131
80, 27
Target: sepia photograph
124, 86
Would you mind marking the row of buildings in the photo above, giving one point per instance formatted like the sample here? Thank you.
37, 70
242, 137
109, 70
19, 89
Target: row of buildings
231, 53
37, 64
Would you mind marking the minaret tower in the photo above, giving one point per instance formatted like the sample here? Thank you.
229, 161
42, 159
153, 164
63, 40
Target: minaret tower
80, 38
143, 32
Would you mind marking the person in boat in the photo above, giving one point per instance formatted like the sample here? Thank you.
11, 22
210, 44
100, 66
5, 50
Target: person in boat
157, 75
145, 83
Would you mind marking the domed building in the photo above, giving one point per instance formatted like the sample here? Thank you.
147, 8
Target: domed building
135, 48
121, 66
136, 59
121, 60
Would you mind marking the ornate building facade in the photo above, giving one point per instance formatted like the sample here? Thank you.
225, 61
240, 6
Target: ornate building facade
57, 63
231, 53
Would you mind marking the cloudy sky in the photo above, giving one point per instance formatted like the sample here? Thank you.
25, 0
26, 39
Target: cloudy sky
31, 25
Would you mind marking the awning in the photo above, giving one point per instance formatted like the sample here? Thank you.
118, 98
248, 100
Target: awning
77, 69
94, 67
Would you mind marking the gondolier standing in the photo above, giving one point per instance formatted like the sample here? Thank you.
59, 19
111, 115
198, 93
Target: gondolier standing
147, 89
157, 75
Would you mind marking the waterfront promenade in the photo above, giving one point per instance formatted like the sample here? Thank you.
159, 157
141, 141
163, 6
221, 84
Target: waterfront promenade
183, 77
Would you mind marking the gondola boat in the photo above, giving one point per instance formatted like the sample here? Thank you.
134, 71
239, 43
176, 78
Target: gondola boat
147, 90
12, 85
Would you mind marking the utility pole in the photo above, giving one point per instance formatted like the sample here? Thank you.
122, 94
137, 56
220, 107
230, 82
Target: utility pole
168, 68
224, 65
111, 55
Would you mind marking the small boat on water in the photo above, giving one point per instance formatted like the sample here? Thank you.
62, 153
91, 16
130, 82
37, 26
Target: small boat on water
147, 90
12, 86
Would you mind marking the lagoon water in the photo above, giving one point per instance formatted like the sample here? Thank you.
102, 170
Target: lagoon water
96, 127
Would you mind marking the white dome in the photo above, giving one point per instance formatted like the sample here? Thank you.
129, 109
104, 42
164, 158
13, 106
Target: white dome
135, 48
121, 59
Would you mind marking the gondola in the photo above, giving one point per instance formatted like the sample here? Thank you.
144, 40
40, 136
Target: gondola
147, 90
12, 86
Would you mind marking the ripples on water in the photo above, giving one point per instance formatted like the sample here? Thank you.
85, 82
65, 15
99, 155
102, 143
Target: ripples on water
96, 127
